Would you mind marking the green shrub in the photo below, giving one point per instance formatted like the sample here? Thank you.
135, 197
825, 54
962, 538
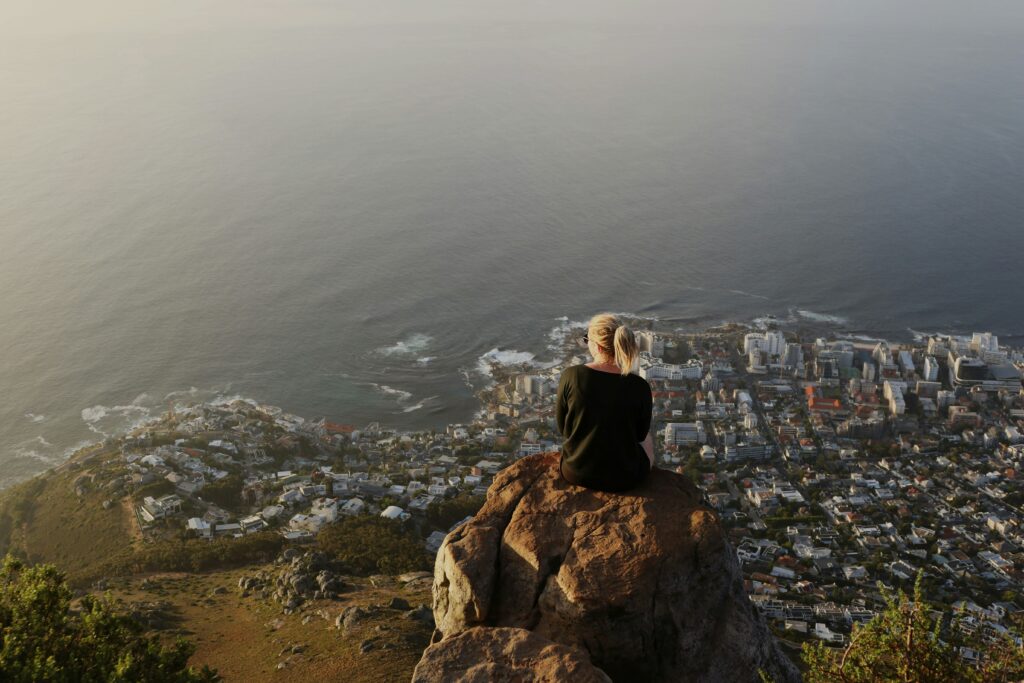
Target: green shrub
194, 555
43, 639
443, 513
372, 545
903, 643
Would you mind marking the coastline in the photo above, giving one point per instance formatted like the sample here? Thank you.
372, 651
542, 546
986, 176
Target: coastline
491, 368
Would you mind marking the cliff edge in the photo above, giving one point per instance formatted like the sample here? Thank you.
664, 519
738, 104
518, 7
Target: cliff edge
642, 586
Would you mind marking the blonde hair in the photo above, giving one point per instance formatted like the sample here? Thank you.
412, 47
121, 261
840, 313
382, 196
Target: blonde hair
608, 332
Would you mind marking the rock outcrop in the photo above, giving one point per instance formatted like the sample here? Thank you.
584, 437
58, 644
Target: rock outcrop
301, 577
486, 655
645, 582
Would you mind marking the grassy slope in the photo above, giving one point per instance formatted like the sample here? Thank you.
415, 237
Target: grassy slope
44, 520
243, 637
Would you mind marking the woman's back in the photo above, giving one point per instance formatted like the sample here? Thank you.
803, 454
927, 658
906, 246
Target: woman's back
603, 417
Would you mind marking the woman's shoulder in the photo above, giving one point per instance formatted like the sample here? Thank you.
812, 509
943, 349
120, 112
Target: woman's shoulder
639, 381
570, 373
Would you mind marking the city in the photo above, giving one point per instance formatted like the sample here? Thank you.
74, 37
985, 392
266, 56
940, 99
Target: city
836, 464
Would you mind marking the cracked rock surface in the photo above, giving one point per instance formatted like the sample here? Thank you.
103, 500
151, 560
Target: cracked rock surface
485, 655
644, 582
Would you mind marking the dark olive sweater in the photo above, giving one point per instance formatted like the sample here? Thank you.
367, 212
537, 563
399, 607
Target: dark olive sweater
603, 418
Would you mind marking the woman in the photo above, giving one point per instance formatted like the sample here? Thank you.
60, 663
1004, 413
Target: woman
604, 412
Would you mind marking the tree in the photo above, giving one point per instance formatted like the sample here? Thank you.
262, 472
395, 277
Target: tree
43, 639
903, 643
443, 513
371, 545
226, 492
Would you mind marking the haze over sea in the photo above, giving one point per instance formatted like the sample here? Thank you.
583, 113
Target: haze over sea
340, 207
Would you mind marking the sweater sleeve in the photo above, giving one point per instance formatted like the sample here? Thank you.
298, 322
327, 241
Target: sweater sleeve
643, 420
561, 406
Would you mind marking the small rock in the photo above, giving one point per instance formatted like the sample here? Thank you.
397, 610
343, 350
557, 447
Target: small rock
365, 646
421, 613
398, 603
353, 616
219, 590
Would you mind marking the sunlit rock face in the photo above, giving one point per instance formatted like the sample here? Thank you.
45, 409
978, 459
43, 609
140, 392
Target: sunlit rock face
645, 583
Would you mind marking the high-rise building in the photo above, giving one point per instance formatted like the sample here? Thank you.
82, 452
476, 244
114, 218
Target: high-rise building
984, 341
684, 433
649, 342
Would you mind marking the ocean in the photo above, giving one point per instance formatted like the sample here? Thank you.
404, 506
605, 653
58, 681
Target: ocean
345, 209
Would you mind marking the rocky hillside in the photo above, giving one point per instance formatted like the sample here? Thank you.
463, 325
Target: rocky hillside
638, 586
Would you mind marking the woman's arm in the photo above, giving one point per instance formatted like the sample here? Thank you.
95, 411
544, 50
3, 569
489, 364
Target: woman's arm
648, 445
561, 408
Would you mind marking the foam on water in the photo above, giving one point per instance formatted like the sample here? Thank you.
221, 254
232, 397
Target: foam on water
496, 356
750, 294
821, 317
417, 406
413, 344
38, 449
558, 334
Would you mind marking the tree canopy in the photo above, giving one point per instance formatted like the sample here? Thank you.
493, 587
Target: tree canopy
371, 545
905, 643
43, 638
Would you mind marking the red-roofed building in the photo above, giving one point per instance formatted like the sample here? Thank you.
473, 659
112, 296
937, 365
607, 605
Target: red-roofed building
819, 404
332, 428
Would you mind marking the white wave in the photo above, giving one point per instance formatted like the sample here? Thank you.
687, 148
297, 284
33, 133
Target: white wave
400, 395
105, 421
742, 293
496, 356
414, 344
821, 317
192, 391
419, 405
130, 408
71, 450
558, 334
35, 419
38, 449
32, 454
227, 399
860, 338
425, 359
94, 414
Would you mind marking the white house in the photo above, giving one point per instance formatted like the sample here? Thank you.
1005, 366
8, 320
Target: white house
199, 527
253, 524
354, 506
395, 512
326, 508
310, 523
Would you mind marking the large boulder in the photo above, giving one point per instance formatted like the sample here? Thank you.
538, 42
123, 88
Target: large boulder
645, 581
490, 655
